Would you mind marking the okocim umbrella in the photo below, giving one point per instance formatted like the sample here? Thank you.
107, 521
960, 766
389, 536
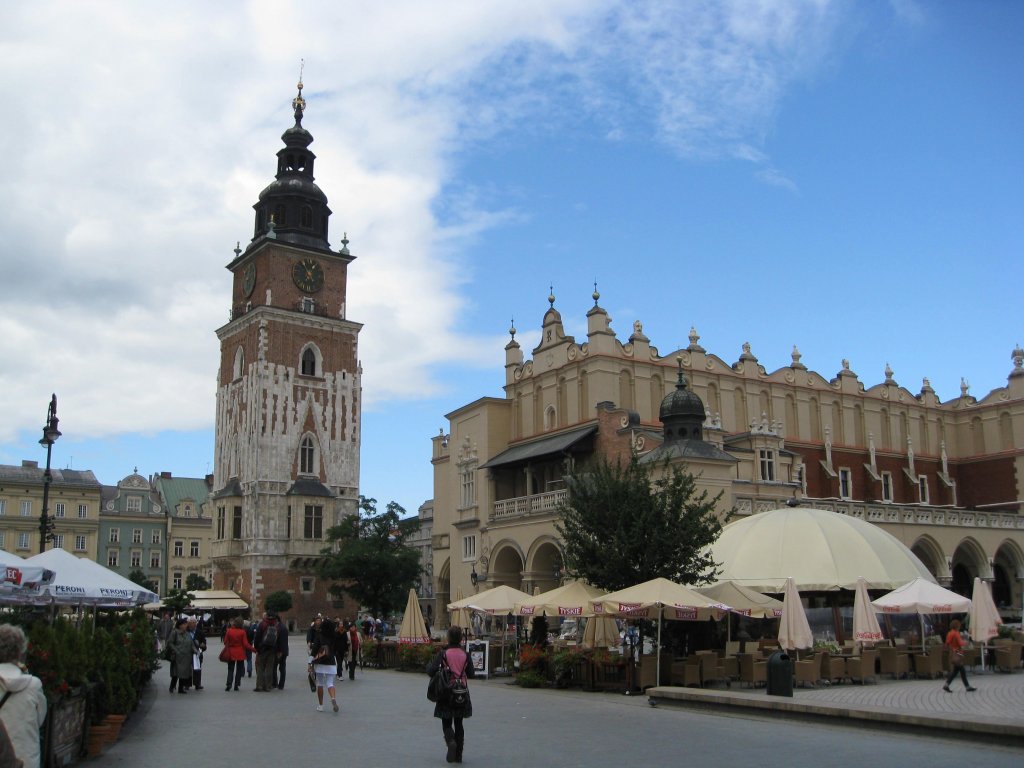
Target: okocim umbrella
865, 622
413, 629
984, 618
794, 631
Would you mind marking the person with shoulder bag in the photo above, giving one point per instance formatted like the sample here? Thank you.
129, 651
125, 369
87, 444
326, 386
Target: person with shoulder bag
455, 665
236, 646
956, 645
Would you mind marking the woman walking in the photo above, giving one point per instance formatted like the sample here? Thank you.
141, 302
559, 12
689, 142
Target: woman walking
325, 651
22, 701
179, 654
956, 645
238, 646
452, 714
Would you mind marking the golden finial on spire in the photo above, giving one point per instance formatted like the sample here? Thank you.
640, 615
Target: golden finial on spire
299, 103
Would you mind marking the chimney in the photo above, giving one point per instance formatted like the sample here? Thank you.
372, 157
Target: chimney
165, 475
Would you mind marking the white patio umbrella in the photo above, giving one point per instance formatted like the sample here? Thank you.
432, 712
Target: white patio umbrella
19, 580
600, 632
984, 617
922, 596
572, 599
794, 631
414, 628
79, 581
865, 622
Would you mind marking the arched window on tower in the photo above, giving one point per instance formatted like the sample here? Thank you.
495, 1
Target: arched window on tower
280, 219
236, 370
307, 217
307, 456
309, 362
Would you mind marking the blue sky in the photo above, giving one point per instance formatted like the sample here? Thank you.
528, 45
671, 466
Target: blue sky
846, 177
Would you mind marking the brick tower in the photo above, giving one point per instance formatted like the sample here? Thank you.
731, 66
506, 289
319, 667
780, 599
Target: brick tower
286, 463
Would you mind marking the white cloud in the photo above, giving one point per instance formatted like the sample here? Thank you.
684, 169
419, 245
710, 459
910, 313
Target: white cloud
145, 133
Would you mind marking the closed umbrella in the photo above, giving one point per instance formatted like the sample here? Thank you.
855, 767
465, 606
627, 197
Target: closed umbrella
984, 618
413, 629
865, 622
794, 631
459, 616
600, 632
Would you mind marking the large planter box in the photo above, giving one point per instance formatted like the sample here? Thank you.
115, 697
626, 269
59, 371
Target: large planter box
65, 730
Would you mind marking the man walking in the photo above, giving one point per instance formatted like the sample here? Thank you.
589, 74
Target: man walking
282, 656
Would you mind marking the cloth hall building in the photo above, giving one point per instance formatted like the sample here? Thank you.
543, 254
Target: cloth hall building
945, 478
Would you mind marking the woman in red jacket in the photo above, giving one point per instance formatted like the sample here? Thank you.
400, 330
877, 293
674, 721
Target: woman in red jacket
956, 646
236, 643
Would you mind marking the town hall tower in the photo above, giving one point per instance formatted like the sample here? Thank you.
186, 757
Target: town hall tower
286, 464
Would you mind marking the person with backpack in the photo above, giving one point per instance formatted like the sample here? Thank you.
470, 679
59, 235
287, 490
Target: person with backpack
266, 652
454, 705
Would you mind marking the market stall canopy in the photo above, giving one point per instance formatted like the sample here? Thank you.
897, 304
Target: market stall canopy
744, 601
414, 628
922, 596
216, 599
79, 581
659, 598
572, 599
819, 549
498, 600
19, 580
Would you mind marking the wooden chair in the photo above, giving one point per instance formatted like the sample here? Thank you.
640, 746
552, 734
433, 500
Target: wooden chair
808, 670
928, 664
892, 661
862, 667
711, 669
686, 671
752, 671
1008, 656
833, 668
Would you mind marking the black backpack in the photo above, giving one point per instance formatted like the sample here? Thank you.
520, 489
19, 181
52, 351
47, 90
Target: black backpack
269, 638
446, 687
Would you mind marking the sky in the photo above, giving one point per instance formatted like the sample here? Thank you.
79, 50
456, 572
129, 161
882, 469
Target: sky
844, 177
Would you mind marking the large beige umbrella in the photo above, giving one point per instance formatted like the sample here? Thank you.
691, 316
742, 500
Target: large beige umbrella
794, 631
984, 618
865, 622
659, 599
413, 629
498, 600
600, 632
742, 600
819, 549
572, 599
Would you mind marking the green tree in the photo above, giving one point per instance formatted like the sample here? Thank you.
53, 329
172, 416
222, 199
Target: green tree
177, 600
369, 558
196, 582
278, 602
625, 524
138, 577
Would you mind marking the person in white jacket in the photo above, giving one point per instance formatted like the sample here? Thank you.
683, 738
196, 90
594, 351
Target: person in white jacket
24, 704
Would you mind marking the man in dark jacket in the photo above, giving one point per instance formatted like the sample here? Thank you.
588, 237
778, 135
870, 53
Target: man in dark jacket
277, 679
266, 651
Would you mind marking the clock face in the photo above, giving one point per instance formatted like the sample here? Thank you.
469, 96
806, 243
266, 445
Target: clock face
308, 275
249, 280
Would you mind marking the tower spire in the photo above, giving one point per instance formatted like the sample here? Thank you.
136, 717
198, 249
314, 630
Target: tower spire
299, 103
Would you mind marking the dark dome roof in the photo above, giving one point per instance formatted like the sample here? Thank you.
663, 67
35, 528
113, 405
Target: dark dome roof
294, 186
681, 402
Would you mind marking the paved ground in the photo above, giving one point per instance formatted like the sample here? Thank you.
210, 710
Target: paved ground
386, 720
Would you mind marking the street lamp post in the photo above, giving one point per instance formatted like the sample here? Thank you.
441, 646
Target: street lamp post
50, 435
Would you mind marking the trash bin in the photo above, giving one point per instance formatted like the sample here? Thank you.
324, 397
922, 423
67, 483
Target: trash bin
780, 675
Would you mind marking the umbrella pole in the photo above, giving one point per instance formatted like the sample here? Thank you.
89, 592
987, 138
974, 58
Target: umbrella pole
657, 665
